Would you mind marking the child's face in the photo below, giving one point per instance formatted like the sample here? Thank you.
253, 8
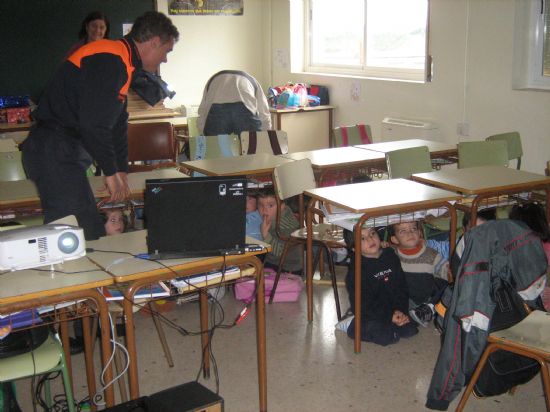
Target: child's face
251, 204
267, 206
407, 235
370, 243
115, 222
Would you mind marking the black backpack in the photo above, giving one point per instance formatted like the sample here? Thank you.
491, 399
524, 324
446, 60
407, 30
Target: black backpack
504, 369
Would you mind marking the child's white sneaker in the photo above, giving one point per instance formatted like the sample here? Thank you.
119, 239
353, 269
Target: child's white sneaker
344, 323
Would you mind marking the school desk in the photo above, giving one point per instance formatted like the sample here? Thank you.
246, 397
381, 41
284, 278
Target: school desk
438, 150
30, 288
369, 200
16, 196
141, 272
253, 165
340, 159
486, 185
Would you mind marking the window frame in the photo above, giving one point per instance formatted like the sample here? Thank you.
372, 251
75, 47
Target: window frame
301, 53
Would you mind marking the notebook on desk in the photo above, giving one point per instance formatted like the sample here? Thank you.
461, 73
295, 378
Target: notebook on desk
194, 217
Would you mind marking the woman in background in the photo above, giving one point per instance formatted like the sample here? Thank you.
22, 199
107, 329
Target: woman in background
95, 26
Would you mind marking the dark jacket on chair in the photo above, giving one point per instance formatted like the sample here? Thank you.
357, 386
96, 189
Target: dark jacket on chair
500, 249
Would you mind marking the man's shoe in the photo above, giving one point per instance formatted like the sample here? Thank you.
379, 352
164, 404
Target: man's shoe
77, 345
422, 314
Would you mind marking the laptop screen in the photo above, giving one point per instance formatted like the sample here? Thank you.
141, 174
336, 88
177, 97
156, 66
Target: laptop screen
198, 216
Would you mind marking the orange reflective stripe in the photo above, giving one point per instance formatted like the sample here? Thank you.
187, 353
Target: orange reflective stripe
106, 46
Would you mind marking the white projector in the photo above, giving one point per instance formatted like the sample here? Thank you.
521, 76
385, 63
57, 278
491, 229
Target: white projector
35, 246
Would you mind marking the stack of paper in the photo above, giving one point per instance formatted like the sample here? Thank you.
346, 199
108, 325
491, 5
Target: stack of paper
189, 283
348, 220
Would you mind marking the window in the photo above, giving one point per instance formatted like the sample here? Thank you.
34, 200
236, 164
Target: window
367, 38
531, 68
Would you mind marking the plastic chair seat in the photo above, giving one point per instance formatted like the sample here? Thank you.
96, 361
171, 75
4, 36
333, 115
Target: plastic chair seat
530, 338
332, 235
46, 357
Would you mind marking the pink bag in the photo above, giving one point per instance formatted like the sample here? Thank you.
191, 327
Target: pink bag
288, 289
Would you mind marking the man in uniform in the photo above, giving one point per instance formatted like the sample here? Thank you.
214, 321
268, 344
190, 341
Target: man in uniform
82, 117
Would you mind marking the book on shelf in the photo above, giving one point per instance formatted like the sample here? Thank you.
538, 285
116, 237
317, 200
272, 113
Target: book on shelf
154, 290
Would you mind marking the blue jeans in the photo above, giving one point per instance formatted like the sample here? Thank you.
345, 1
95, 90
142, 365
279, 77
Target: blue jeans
230, 118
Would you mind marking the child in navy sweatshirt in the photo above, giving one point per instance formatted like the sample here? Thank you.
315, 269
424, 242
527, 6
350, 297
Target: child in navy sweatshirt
384, 294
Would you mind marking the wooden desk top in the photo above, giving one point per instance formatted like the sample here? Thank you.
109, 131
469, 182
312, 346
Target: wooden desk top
477, 180
255, 164
338, 157
175, 121
125, 267
382, 195
23, 192
435, 148
24, 285
302, 109
12, 127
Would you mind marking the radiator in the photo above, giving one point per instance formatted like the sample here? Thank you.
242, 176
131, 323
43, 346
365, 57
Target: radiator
395, 128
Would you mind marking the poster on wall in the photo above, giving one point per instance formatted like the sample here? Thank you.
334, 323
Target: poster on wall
206, 7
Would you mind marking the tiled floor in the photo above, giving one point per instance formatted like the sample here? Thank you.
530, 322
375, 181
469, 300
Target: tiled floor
311, 367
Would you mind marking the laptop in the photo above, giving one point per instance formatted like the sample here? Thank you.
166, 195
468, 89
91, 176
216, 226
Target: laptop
195, 217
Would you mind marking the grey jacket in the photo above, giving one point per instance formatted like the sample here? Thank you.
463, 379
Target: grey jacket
504, 249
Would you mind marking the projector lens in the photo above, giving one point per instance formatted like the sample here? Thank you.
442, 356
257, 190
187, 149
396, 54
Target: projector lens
68, 242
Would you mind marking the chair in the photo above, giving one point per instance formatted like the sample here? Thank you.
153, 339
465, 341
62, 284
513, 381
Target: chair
482, 153
151, 146
11, 167
513, 141
351, 135
530, 338
267, 141
210, 147
291, 179
403, 163
48, 357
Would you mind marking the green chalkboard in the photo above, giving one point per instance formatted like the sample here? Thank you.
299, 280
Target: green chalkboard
35, 35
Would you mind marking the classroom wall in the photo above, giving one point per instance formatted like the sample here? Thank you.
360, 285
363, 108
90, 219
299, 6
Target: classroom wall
472, 45
209, 44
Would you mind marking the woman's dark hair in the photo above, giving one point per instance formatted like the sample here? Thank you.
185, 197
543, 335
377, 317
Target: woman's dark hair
534, 216
94, 15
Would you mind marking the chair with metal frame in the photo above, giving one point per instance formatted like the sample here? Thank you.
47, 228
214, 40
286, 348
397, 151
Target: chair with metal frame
352, 135
289, 180
529, 338
482, 153
513, 142
151, 146
46, 358
403, 163
265, 141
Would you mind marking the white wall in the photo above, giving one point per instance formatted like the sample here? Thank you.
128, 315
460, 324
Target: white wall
209, 44
472, 45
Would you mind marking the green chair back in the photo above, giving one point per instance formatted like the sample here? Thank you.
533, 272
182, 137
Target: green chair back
482, 153
11, 167
403, 163
513, 142
48, 357
352, 135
